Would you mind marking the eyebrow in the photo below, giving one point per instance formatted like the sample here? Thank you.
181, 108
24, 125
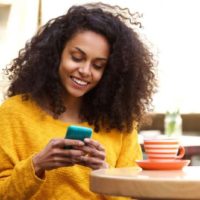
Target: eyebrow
77, 48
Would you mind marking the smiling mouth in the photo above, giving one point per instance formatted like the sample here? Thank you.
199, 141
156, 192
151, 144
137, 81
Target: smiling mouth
79, 82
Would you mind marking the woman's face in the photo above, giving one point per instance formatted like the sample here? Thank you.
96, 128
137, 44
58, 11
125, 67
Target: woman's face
83, 62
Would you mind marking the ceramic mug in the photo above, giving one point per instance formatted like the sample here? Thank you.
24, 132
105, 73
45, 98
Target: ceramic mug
163, 149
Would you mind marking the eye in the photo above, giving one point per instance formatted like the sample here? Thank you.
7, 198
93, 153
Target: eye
76, 58
99, 65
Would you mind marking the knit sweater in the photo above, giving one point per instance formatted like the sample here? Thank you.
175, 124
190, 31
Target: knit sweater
25, 129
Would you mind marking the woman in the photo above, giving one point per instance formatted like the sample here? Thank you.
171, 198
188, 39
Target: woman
87, 68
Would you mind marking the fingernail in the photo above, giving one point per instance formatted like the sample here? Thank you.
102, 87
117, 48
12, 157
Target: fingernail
86, 139
82, 158
81, 143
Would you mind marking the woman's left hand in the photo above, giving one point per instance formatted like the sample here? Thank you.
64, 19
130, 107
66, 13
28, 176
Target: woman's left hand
94, 155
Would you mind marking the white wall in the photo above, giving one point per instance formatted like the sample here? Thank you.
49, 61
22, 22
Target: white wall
16, 29
21, 25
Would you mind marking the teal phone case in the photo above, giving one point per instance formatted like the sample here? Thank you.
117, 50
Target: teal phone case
77, 133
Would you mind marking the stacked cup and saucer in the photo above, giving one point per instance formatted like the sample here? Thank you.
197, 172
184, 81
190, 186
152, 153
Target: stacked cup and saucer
163, 153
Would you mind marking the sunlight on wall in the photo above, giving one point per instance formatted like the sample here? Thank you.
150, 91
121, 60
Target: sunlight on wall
21, 25
17, 24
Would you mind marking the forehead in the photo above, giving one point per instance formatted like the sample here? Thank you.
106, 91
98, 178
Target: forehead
90, 42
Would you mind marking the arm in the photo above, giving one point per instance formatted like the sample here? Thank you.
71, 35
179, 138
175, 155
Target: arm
17, 182
23, 150
130, 150
95, 155
17, 178
21, 170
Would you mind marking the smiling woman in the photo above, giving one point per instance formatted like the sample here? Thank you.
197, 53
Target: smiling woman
83, 62
87, 67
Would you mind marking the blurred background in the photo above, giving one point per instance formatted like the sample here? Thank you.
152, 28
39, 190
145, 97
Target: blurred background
172, 28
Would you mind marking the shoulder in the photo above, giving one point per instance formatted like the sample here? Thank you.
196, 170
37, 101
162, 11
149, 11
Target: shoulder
11, 101
16, 104
118, 135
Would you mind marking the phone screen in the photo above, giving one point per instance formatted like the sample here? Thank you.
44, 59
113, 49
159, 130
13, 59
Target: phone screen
78, 133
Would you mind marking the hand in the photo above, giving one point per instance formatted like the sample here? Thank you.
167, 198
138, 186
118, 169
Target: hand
54, 155
94, 155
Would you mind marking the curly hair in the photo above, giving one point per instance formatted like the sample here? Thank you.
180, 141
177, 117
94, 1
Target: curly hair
125, 91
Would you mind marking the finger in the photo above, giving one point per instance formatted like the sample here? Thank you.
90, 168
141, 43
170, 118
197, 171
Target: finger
92, 152
57, 143
70, 142
60, 160
66, 153
90, 160
103, 166
93, 165
94, 143
58, 164
61, 143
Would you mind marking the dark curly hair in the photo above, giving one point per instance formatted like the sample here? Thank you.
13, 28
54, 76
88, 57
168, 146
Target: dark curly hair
125, 91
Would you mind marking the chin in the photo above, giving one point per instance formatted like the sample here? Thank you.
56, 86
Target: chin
76, 94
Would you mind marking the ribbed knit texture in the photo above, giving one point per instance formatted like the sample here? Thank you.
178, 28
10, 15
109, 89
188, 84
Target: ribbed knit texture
25, 129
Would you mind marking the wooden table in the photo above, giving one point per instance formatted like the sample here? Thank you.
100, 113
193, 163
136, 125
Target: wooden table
148, 184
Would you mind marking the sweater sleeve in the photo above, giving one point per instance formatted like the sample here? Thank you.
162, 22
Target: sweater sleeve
130, 150
19, 182
17, 178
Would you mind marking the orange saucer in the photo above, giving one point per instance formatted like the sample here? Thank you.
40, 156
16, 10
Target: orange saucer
162, 165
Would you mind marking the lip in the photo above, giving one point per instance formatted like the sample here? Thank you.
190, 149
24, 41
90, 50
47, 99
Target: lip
77, 85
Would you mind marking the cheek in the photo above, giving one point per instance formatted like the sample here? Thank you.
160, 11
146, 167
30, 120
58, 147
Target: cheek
66, 67
61, 71
98, 76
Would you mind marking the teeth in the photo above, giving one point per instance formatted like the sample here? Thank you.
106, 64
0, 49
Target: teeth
80, 82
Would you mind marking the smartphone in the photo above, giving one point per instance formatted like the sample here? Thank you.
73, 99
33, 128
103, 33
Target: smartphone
77, 133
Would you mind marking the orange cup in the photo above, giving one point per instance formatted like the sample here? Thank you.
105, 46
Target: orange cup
163, 149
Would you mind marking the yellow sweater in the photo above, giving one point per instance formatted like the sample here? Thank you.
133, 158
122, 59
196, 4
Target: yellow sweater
25, 130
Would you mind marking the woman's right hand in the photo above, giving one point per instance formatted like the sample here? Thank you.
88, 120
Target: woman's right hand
54, 155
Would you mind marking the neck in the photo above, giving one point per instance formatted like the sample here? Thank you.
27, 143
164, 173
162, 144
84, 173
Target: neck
72, 112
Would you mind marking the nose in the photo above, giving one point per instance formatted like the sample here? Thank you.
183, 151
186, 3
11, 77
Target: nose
85, 69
